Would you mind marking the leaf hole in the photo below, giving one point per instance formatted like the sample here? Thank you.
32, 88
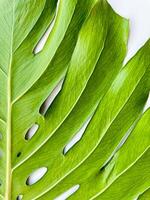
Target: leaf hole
77, 137
19, 154
41, 43
107, 163
47, 103
31, 132
36, 176
123, 140
19, 197
147, 105
68, 193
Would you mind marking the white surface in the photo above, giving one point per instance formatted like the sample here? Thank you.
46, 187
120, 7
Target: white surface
68, 193
36, 175
138, 11
43, 40
77, 137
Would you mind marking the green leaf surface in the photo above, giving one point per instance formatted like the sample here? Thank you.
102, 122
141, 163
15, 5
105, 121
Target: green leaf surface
145, 195
98, 98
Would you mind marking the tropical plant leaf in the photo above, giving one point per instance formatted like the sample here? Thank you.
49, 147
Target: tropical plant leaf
145, 195
74, 86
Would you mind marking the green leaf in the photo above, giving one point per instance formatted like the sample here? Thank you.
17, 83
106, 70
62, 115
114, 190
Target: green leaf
145, 195
99, 100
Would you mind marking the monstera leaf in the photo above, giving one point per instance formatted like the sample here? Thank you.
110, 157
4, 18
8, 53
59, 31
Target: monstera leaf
73, 122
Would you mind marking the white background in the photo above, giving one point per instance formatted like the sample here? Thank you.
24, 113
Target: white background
138, 12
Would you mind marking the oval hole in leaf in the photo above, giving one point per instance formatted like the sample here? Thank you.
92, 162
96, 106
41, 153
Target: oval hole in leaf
18, 154
31, 132
123, 140
0, 182
19, 197
68, 193
47, 103
77, 137
40, 45
36, 176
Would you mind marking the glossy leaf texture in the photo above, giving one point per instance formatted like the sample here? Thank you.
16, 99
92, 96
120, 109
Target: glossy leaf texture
70, 111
